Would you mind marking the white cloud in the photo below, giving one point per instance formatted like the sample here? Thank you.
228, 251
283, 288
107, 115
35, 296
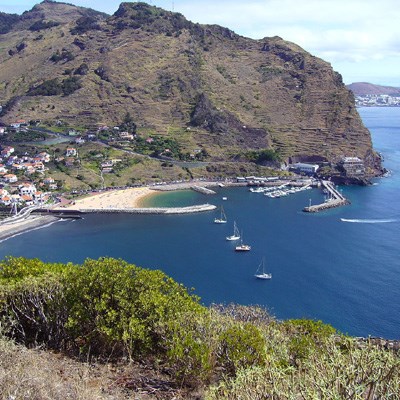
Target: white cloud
343, 32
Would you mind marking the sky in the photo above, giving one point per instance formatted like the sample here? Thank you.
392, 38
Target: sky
360, 38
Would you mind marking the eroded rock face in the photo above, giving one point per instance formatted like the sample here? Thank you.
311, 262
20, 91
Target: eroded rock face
236, 94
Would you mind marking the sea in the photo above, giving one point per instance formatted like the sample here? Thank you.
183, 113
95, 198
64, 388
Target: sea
340, 266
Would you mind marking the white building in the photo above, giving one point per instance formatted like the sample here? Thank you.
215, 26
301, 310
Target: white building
353, 166
27, 189
304, 168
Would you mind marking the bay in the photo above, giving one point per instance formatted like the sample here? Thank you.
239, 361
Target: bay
340, 266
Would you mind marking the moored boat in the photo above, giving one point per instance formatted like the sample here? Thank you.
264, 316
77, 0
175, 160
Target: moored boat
235, 235
260, 272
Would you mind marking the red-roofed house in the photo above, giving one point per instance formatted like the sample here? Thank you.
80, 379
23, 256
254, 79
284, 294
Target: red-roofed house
10, 178
27, 199
6, 200
71, 152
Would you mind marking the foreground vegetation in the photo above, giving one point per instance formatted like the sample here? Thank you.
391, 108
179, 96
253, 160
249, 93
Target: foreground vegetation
110, 311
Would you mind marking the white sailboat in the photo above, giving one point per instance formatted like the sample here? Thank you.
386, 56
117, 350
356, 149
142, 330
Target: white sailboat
260, 272
241, 246
222, 219
235, 235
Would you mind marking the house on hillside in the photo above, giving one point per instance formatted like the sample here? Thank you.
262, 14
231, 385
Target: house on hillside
28, 200
50, 182
70, 152
69, 162
126, 136
27, 189
7, 151
10, 178
43, 157
5, 200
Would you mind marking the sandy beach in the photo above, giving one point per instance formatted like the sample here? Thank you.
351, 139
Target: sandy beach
124, 198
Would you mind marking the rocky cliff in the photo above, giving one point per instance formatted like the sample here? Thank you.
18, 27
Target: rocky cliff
204, 85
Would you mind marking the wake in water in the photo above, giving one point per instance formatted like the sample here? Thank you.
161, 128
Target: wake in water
368, 221
32, 229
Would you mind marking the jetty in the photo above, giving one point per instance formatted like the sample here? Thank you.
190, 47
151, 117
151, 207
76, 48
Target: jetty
202, 189
336, 199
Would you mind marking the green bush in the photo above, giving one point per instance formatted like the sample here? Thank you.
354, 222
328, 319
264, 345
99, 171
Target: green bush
53, 87
65, 55
40, 24
102, 306
263, 156
242, 346
50, 87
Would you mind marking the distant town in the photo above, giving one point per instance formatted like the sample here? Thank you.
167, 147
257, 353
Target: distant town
377, 100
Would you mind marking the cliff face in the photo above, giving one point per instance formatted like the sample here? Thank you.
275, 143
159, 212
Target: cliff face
203, 84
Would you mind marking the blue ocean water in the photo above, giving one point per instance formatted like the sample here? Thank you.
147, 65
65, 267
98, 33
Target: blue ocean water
341, 266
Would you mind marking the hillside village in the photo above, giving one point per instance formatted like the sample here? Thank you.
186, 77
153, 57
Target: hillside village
26, 178
16, 171
377, 100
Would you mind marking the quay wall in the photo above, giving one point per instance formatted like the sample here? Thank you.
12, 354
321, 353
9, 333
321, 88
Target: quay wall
326, 206
337, 200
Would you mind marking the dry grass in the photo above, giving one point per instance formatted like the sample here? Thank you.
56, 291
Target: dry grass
34, 374
38, 375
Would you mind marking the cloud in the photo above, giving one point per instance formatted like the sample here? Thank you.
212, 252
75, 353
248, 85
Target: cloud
352, 30
345, 33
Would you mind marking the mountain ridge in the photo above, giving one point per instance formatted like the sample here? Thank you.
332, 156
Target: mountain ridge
163, 69
365, 88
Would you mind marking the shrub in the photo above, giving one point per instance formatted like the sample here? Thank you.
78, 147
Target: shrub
65, 56
263, 156
40, 24
242, 345
84, 24
53, 87
102, 306
50, 87
70, 85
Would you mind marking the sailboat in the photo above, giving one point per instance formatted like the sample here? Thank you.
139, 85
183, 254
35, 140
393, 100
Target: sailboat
222, 219
260, 272
241, 246
235, 235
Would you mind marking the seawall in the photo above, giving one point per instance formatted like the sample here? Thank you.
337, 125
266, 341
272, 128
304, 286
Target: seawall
153, 210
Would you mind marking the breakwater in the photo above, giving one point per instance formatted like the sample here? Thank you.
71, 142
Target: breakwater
336, 199
202, 189
152, 210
